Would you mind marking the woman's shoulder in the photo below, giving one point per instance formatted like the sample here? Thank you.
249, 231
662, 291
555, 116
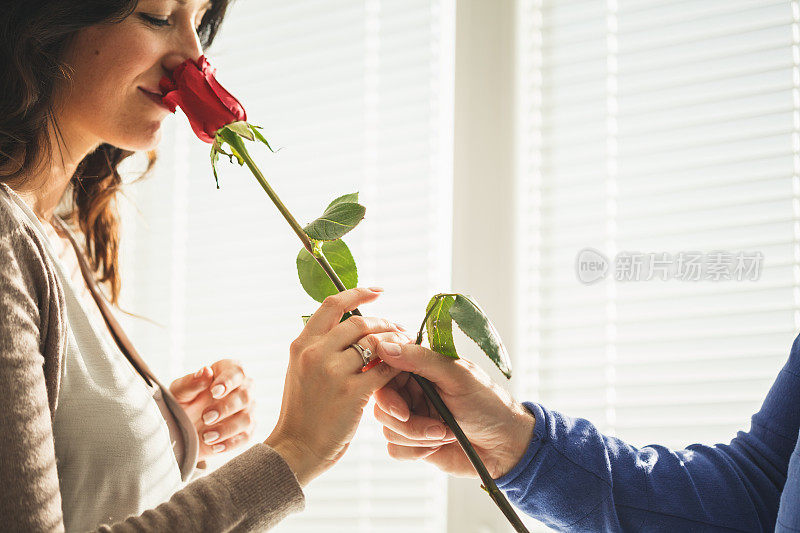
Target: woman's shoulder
12, 218
18, 236
26, 270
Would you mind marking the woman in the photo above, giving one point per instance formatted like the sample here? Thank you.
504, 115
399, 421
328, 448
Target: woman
89, 435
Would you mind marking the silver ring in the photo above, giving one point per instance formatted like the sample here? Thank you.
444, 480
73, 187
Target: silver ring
365, 353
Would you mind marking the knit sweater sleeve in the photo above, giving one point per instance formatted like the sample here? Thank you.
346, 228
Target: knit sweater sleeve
253, 491
29, 492
574, 478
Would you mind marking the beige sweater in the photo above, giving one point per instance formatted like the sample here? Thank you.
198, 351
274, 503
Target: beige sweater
252, 492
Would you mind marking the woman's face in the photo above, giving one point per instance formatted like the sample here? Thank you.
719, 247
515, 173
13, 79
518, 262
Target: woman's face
114, 67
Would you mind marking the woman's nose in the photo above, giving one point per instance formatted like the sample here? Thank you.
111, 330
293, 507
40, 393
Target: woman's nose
187, 46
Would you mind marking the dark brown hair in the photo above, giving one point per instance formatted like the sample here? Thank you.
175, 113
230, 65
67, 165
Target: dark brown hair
34, 36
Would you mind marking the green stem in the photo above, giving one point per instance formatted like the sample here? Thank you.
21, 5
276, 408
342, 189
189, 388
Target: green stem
488, 482
237, 143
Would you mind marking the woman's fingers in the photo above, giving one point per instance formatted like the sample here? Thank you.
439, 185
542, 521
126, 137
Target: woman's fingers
356, 328
241, 422
228, 375
190, 386
353, 361
239, 399
232, 443
334, 307
417, 428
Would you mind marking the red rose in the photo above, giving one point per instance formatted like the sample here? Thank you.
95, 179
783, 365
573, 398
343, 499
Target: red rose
207, 104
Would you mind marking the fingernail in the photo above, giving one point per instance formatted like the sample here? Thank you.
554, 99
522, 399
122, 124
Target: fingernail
199, 373
218, 448
376, 289
217, 391
391, 348
210, 436
210, 417
434, 432
395, 413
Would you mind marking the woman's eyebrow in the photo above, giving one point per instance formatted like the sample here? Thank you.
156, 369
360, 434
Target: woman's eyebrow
184, 2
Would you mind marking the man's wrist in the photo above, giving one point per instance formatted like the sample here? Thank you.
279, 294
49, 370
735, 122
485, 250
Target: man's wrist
520, 435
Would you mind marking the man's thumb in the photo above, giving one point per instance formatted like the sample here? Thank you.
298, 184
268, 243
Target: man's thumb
423, 362
187, 388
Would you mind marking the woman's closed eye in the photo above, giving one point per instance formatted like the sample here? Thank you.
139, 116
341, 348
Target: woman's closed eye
159, 22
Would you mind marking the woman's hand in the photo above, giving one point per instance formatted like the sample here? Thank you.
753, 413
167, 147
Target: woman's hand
219, 401
325, 391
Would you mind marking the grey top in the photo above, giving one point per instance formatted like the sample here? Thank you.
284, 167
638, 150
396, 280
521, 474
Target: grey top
84, 441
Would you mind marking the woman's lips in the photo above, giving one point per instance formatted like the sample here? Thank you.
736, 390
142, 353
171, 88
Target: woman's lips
156, 98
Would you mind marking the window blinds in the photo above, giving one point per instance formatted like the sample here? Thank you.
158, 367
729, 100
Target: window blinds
657, 126
354, 93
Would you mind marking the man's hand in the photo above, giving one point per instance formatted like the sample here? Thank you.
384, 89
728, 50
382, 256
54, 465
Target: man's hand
498, 427
218, 400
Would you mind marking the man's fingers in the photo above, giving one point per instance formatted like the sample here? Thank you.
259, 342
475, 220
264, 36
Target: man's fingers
187, 388
404, 453
417, 428
396, 438
334, 307
390, 401
450, 374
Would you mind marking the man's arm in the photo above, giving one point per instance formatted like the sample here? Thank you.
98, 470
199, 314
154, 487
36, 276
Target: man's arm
574, 478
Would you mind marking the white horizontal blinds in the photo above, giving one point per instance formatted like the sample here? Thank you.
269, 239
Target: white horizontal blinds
350, 93
665, 127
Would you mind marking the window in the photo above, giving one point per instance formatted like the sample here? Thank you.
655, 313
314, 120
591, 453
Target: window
663, 127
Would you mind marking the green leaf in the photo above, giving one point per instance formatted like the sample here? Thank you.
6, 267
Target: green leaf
242, 129
341, 216
313, 278
476, 325
260, 137
351, 198
439, 325
214, 159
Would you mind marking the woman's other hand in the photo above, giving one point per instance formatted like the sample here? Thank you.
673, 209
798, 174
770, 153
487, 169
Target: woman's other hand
325, 391
219, 401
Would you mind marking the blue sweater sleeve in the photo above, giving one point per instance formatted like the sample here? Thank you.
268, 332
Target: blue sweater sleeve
573, 478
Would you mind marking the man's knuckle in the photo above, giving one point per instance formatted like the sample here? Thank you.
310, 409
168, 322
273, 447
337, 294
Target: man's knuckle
297, 346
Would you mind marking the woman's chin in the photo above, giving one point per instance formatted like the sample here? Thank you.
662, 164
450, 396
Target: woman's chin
147, 140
